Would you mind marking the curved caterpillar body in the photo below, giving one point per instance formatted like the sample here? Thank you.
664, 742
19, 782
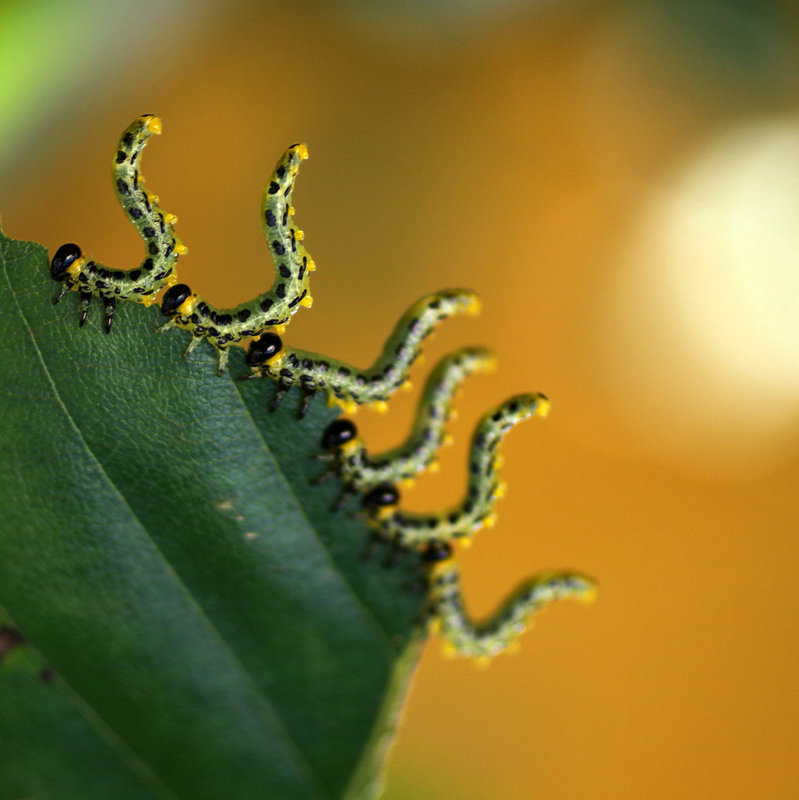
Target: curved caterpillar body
500, 632
360, 472
407, 529
289, 290
350, 386
88, 277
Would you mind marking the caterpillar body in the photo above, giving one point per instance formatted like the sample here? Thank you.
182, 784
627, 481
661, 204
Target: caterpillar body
88, 277
290, 287
500, 632
359, 471
350, 386
406, 529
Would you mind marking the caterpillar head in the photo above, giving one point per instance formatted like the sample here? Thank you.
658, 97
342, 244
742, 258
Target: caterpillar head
339, 434
436, 552
174, 298
263, 349
64, 258
381, 501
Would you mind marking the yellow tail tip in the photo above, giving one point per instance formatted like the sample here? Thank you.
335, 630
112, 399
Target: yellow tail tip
154, 125
542, 409
588, 596
475, 306
302, 151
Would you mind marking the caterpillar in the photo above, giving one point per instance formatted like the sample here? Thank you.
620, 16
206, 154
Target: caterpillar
405, 529
349, 386
360, 472
88, 277
500, 632
273, 308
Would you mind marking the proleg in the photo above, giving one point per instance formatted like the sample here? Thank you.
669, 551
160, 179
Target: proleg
162, 247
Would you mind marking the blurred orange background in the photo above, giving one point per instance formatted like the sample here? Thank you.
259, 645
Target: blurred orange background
620, 183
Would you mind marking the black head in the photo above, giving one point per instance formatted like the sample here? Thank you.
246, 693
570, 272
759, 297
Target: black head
262, 349
173, 298
436, 551
64, 257
337, 433
384, 494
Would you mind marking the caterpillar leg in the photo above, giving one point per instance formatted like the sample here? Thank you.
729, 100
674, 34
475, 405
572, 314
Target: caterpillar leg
85, 302
500, 632
359, 471
349, 386
162, 248
290, 289
307, 397
109, 305
483, 491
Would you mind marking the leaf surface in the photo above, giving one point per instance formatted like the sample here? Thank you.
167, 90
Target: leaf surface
211, 625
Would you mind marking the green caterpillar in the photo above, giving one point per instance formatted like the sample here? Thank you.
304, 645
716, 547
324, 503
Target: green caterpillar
273, 308
360, 472
500, 632
405, 529
349, 386
88, 277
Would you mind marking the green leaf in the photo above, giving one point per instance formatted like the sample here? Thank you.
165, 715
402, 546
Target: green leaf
212, 628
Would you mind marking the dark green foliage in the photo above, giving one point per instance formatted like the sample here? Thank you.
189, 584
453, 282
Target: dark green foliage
212, 628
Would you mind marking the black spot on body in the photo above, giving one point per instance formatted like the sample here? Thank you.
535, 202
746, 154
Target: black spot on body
122, 187
270, 218
278, 247
121, 156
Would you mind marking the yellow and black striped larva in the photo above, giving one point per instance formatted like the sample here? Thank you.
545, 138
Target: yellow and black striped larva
483, 640
359, 471
406, 529
350, 386
88, 277
289, 290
